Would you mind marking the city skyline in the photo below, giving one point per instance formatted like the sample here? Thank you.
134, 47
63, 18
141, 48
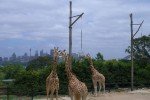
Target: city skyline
37, 24
33, 53
30, 56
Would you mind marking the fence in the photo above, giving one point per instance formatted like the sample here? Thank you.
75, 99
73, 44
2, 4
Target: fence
9, 93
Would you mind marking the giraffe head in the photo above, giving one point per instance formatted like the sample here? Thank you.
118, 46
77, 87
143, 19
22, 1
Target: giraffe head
89, 58
65, 57
56, 53
63, 54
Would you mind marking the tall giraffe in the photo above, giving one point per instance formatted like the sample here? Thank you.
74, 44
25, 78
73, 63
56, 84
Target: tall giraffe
77, 89
96, 76
52, 81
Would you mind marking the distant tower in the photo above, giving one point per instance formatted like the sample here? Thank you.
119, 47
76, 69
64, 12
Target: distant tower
81, 54
30, 55
81, 40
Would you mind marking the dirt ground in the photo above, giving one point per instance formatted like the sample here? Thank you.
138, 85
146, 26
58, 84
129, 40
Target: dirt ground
142, 94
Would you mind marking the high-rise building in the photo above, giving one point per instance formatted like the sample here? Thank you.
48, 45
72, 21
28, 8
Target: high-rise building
52, 52
5, 59
36, 53
1, 59
25, 57
41, 53
13, 57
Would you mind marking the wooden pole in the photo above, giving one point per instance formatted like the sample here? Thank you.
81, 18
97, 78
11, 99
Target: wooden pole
70, 27
70, 30
132, 68
132, 43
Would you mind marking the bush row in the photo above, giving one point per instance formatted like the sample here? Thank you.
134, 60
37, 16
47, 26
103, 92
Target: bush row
32, 82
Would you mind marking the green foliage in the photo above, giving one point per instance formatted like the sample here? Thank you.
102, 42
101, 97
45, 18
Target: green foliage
32, 82
26, 83
2, 75
39, 63
99, 56
11, 71
141, 50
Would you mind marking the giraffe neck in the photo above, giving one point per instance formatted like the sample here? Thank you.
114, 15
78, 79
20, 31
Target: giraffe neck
70, 74
54, 68
68, 68
90, 61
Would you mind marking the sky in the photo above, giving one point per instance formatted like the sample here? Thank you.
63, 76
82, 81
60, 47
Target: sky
43, 24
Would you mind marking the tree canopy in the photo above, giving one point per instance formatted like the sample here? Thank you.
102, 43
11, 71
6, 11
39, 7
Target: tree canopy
141, 49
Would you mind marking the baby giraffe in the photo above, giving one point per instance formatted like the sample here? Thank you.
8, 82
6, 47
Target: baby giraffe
52, 81
77, 89
96, 76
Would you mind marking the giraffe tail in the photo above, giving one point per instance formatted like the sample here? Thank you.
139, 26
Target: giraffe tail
77, 97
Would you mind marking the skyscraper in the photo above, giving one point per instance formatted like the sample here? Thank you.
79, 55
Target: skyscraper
41, 53
36, 53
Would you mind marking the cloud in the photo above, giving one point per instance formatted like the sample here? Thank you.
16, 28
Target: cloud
44, 24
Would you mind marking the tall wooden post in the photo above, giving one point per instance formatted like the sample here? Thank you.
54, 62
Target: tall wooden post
132, 40
70, 27
70, 30
132, 69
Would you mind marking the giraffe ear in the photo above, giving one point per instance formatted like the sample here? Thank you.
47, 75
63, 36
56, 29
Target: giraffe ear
54, 48
57, 48
64, 50
87, 55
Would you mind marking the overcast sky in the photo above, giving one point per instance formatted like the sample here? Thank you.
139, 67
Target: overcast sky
43, 24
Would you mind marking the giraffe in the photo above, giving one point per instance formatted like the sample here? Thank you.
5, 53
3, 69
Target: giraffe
52, 81
96, 76
77, 89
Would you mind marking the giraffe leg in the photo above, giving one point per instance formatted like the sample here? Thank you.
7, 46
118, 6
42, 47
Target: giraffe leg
47, 88
52, 93
95, 90
103, 87
84, 97
95, 87
77, 97
70, 93
100, 86
47, 91
56, 94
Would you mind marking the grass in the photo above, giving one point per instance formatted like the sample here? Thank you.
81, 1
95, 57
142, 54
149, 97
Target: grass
12, 97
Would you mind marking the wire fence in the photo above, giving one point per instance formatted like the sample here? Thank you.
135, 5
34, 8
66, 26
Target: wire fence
8, 93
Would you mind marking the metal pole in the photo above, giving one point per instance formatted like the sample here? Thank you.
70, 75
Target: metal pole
70, 30
81, 40
132, 67
30, 55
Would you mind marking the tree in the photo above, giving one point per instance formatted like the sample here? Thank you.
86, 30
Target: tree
141, 49
11, 71
99, 56
39, 63
2, 75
